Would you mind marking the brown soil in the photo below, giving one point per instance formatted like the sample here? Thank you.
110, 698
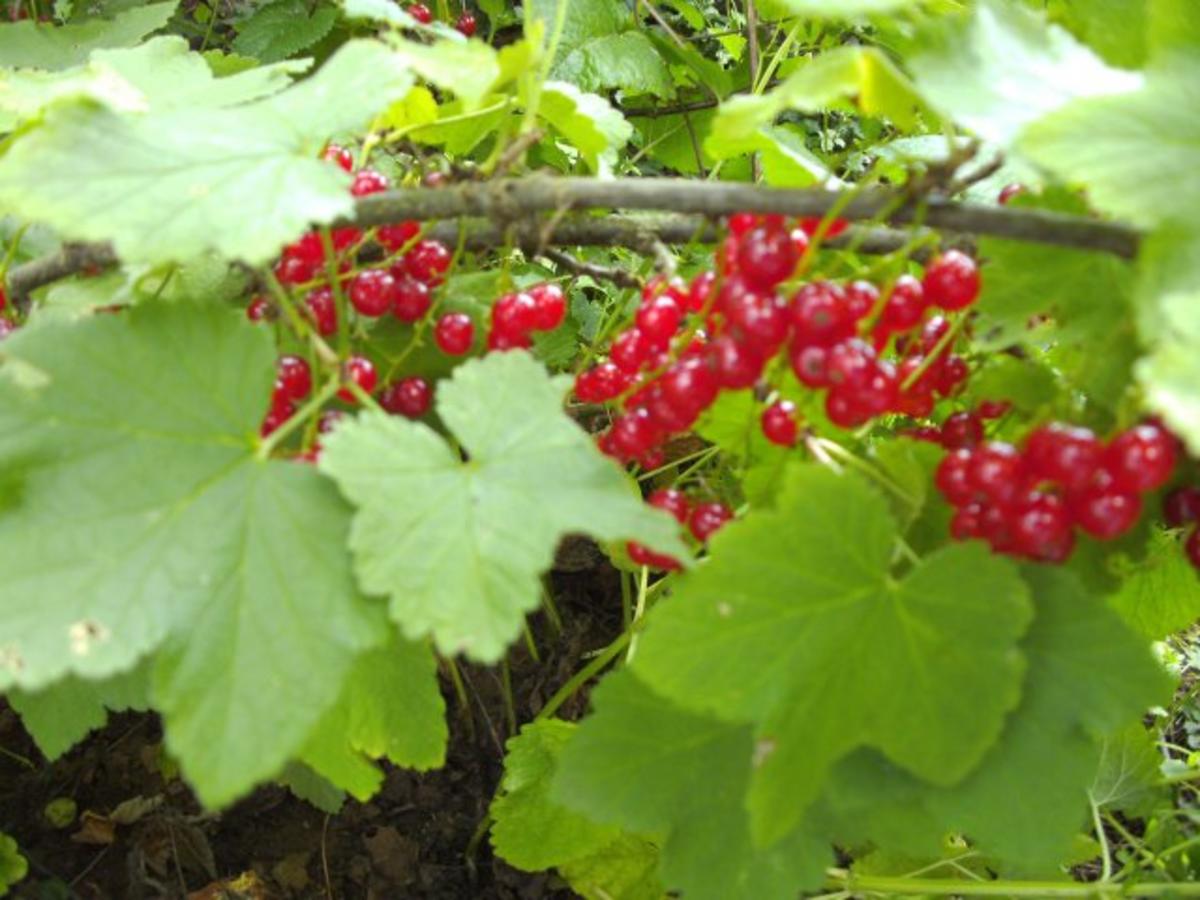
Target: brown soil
139, 833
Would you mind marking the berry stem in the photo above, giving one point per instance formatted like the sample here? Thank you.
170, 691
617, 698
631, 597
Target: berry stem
598, 663
309, 410
639, 610
339, 296
833, 448
299, 324
931, 357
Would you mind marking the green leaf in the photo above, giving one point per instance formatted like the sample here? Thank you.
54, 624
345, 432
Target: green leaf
282, 28
1088, 676
241, 182
581, 22
796, 619
864, 74
390, 708
844, 9
33, 45
643, 763
627, 61
786, 161
467, 68
1026, 383
13, 867
530, 830
1129, 150
626, 869
181, 559
1116, 29
588, 121
1003, 68
61, 715
171, 76
312, 788
1173, 29
458, 546
1159, 595
380, 11
1129, 779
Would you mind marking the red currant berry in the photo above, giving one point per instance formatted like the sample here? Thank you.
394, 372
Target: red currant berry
736, 365
454, 333
961, 429
1008, 192
967, 522
1191, 548
410, 298
652, 459
951, 375
951, 281
550, 306
932, 333
466, 24
766, 257
428, 261
844, 408
434, 179
498, 341
779, 423
953, 477
741, 223
1142, 458
851, 364
995, 527
1064, 455
409, 397
673, 501
1041, 528
372, 292
690, 385
643, 556
322, 310
293, 376
701, 291
600, 383
514, 315
757, 320
707, 519
861, 297
396, 237
810, 225
658, 320
421, 13
821, 315
1105, 513
905, 305
259, 309
630, 351
360, 371
660, 285
1181, 506
994, 409
800, 241
635, 433
339, 156
997, 472
292, 270
881, 391
927, 433
274, 419
811, 365
369, 181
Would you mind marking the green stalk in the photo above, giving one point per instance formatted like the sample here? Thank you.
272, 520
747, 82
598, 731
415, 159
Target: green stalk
947, 887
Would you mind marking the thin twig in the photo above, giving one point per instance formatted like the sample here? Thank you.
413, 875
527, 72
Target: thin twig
619, 277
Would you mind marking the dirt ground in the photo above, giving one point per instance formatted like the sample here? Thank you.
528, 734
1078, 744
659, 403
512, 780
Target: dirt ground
136, 831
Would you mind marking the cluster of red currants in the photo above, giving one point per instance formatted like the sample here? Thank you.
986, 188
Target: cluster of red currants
703, 520
961, 429
404, 287
1027, 502
1181, 509
665, 375
516, 316
466, 23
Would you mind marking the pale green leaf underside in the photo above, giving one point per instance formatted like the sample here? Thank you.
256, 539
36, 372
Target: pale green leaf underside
233, 570
458, 546
32, 45
241, 182
796, 620
588, 121
1004, 68
1129, 150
